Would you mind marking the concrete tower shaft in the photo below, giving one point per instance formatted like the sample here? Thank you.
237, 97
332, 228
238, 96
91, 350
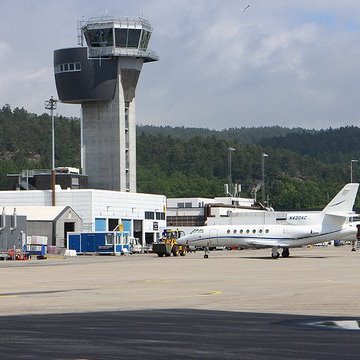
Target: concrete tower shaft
102, 77
109, 131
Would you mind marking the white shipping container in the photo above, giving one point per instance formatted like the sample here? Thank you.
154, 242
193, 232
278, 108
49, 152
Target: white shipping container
38, 240
35, 247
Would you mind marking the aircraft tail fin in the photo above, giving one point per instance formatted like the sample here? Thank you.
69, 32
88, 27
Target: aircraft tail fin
343, 202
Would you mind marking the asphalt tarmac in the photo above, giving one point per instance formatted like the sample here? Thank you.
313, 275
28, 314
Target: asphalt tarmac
172, 334
234, 305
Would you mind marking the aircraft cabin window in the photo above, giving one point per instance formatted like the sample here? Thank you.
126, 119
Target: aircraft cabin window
254, 231
241, 231
234, 231
247, 231
228, 231
260, 231
267, 230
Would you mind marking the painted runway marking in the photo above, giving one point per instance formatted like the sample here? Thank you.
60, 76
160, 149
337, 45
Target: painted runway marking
211, 293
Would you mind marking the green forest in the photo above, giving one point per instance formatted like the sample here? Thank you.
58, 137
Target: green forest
303, 170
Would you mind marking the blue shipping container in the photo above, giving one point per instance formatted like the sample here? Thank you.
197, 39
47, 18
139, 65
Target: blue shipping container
99, 242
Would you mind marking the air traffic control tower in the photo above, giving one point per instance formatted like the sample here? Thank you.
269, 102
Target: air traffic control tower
102, 77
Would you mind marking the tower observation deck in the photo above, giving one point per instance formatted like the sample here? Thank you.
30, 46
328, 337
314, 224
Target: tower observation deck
102, 77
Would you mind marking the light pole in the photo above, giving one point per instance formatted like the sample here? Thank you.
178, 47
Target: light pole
263, 156
230, 150
51, 105
351, 169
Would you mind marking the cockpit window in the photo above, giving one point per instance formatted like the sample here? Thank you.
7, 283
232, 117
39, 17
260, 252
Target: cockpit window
197, 231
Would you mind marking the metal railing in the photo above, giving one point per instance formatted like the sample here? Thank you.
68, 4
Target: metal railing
105, 51
99, 22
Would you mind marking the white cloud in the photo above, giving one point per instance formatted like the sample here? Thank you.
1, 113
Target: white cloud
4, 50
42, 73
281, 62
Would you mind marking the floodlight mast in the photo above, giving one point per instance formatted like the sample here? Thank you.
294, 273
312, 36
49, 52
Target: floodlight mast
51, 105
263, 156
351, 168
231, 189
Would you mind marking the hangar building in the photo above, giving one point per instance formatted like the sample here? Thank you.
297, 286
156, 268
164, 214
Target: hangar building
54, 222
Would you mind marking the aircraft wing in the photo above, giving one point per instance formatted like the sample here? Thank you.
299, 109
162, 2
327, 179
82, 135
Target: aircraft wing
266, 243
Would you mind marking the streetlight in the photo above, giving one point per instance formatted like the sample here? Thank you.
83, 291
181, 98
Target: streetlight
263, 156
51, 105
230, 149
351, 169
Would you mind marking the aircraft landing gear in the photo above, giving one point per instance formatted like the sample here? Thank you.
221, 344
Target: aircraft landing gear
285, 253
206, 254
353, 246
274, 253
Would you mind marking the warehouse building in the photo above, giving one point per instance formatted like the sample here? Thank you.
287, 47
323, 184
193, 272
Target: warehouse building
53, 222
142, 215
191, 212
40, 179
12, 230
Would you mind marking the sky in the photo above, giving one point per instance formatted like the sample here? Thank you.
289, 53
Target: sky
223, 63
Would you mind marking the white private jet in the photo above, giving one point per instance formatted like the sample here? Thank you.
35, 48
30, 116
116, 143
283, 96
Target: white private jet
298, 229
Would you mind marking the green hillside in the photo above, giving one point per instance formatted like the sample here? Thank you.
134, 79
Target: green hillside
304, 168
339, 145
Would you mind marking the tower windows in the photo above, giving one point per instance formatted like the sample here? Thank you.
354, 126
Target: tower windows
128, 38
127, 145
68, 67
99, 37
127, 115
145, 38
